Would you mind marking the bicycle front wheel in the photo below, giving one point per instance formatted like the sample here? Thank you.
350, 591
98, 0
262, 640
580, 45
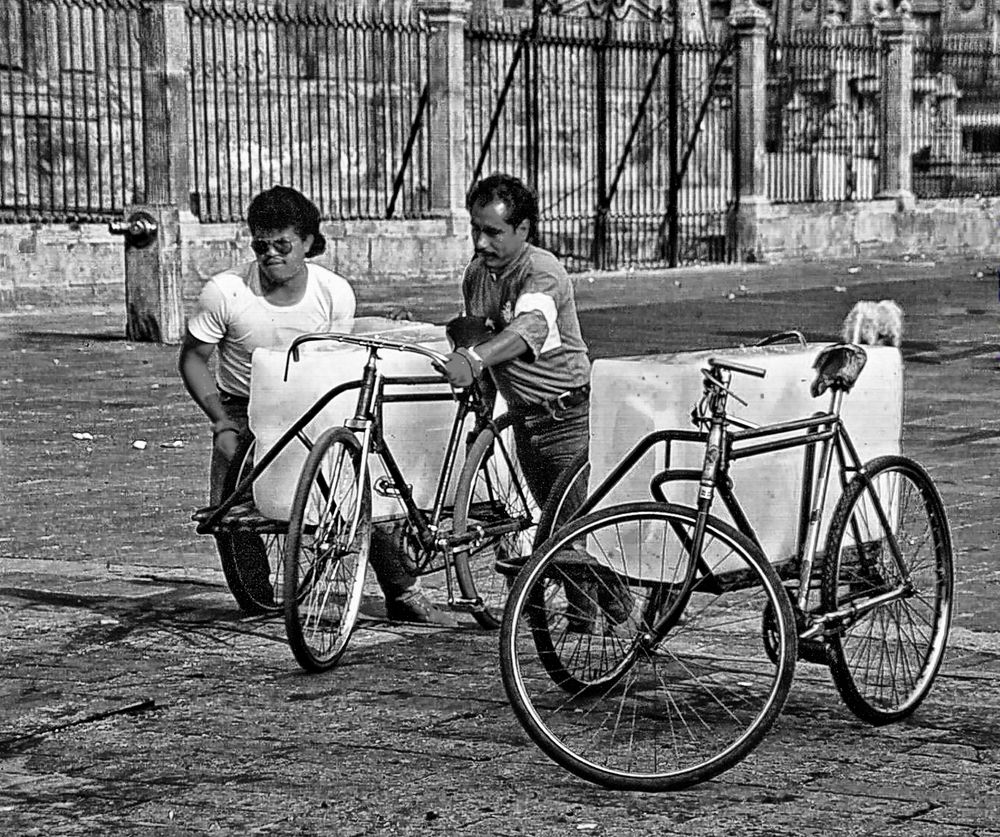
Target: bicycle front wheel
613, 695
889, 535
251, 559
326, 552
492, 498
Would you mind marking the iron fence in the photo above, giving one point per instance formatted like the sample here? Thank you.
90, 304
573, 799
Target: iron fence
956, 119
70, 109
329, 96
624, 129
823, 115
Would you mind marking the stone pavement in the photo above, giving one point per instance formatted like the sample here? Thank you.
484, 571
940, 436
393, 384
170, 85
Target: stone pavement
135, 699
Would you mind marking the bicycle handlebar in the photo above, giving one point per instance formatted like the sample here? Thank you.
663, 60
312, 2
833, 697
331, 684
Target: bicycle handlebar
733, 366
369, 342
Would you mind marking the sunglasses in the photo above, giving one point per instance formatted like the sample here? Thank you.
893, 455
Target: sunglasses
282, 246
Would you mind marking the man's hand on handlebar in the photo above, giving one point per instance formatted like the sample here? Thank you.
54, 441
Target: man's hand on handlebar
461, 368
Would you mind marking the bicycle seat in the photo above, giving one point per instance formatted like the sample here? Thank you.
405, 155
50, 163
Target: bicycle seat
838, 368
468, 332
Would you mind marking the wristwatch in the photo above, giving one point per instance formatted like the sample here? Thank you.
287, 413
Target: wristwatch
475, 361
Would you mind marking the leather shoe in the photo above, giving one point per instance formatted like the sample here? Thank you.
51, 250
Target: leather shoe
416, 608
589, 598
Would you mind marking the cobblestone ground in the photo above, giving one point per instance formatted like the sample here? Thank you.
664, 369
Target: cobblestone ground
135, 699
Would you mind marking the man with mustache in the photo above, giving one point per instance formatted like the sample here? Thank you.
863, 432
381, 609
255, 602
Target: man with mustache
536, 354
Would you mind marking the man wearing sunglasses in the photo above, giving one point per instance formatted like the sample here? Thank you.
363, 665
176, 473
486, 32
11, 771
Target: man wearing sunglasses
266, 303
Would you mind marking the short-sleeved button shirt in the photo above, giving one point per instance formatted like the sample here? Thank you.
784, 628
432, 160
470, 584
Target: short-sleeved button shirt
532, 296
234, 313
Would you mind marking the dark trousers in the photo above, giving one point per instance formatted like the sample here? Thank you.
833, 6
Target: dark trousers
547, 444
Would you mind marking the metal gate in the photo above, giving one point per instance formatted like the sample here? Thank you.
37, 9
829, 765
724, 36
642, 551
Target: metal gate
622, 122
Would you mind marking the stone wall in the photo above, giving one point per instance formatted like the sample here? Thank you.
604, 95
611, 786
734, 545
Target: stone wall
790, 232
57, 265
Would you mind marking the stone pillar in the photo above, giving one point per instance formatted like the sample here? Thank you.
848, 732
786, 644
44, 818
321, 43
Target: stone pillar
749, 24
154, 227
446, 104
895, 180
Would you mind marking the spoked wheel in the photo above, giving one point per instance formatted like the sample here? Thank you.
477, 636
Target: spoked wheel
326, 555
251, 558
885, 659
622, 705
492, 494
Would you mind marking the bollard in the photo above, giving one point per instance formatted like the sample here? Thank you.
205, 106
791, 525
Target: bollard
139, 229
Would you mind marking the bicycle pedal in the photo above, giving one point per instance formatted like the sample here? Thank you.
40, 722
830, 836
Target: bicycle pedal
385, 487
201, 515
467, 605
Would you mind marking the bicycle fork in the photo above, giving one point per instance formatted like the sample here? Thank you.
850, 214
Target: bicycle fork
714, 456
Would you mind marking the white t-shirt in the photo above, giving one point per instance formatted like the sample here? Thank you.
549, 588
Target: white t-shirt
233, 313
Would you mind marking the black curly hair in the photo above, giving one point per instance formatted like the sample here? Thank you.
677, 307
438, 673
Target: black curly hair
521, 200
283, 206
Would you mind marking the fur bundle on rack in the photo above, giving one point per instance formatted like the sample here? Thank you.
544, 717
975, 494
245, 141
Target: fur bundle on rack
872, 323
867, 324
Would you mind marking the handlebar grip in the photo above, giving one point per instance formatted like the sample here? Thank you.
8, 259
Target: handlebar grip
733, 366
793, 336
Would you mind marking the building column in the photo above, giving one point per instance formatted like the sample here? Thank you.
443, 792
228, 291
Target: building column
155, 225
895, 180
446, 109
750, 24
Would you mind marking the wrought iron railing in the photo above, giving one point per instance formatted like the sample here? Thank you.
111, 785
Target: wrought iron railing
70, 109
956, 116
625, 130
823, 115
330, 97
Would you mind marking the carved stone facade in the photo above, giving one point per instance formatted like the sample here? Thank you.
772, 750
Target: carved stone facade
932, 16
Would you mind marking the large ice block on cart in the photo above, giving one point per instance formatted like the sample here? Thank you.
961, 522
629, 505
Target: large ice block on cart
417, 432
631, 397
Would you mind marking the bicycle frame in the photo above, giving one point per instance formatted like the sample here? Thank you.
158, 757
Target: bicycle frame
367, 415
367, 422
822, 435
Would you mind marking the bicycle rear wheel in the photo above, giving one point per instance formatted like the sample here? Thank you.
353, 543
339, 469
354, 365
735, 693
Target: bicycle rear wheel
251, 559
885, 660
492, 494
326, 554
606, 699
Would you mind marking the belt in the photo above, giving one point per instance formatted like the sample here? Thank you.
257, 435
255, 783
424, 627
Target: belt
563, 401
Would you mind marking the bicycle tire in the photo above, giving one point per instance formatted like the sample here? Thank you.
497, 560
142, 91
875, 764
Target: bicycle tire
646, 717
244, 554
491, 489
885, 662
325, 563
